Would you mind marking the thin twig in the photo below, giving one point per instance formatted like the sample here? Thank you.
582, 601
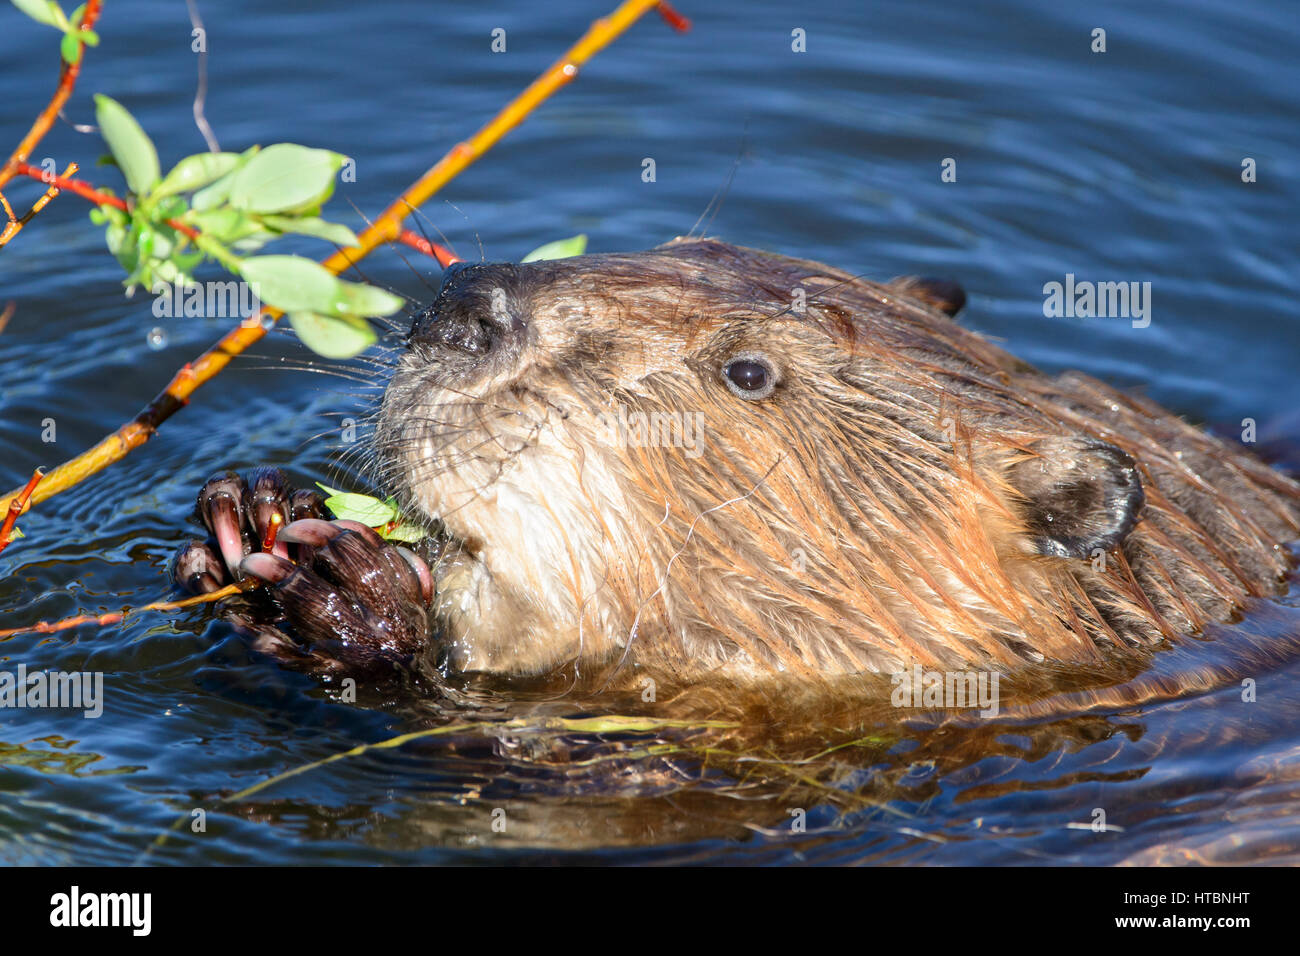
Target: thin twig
15, 226
17, 505
540, 726
117, 617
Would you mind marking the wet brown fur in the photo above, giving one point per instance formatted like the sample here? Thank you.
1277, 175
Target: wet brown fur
870, 514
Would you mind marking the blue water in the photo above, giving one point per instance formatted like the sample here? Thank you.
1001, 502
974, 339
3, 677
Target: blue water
1119, 166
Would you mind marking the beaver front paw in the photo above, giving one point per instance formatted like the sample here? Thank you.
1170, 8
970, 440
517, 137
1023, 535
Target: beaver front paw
336, 597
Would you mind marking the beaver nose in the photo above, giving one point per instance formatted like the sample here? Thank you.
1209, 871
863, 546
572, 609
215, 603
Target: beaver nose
476, 309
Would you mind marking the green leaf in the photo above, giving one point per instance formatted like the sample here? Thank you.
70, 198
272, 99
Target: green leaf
356, 298
252, 242
213, 196
107, 214
312, 226
123, 251
404, 532
179, 268
70, 45
187, 262
232, 228
349, 506
219, 192
195, 172
285, 177
373, 513
224, 224
325, 312
43, 11
336, 337
70, 48
131, 147
559, 249
292, 283
172, 207
168, 272
156, 241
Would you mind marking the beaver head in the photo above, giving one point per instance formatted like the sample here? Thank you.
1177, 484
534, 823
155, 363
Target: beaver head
708, 459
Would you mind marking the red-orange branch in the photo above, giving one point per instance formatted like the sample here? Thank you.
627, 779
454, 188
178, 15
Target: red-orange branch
15, 225
86, 191
17, 505
417, 242
67, 82
117, 617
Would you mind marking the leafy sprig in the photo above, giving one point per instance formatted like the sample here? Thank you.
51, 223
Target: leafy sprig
225, 206
383, 516
50, 13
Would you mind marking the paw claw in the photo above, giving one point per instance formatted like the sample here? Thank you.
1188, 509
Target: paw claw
351, 600
313, 532
307, 504
221, 508
267, 567
198, 568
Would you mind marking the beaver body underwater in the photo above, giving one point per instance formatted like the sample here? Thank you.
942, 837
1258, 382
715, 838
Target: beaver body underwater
705, 461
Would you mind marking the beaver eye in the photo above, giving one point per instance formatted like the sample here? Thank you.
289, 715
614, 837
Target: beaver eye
750, 376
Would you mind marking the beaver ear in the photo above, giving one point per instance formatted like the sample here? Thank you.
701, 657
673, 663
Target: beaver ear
1081, 495
942, 294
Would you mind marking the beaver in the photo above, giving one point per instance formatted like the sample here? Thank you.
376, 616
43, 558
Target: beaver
705, 461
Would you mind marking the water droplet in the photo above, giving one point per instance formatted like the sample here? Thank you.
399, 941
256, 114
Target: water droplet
157, 338
268, 322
